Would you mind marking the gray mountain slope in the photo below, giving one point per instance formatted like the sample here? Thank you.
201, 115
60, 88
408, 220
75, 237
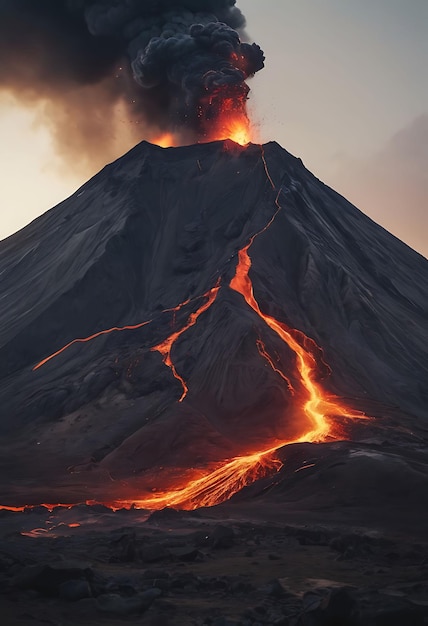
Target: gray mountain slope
159, 227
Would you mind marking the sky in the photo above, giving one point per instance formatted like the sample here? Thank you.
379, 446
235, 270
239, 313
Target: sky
345, 88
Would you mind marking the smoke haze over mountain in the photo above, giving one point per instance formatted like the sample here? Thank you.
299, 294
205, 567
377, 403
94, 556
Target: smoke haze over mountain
134, 68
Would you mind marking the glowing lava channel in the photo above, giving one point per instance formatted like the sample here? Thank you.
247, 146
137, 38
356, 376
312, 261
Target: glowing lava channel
165, 347
87, 339
166, 140
218, 485
318, 404
265, 354
232, 124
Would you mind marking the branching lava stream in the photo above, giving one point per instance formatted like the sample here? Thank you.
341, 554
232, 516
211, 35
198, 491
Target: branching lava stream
165, 347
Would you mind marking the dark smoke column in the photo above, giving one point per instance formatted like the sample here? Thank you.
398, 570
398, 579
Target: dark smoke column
203, 68
179, 66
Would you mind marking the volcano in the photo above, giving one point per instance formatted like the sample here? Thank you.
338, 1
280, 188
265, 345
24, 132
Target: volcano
189, 312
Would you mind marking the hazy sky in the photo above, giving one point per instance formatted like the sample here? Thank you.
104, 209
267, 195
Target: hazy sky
345, 88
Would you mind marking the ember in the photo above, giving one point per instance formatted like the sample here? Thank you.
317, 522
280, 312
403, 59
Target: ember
226, 117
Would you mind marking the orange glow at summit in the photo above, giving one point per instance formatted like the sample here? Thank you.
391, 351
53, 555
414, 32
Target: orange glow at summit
165, 140
219, 119
231, 124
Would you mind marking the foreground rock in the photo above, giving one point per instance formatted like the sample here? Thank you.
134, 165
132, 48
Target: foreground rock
319, 576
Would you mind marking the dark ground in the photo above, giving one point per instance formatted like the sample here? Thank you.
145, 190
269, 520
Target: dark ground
336, 538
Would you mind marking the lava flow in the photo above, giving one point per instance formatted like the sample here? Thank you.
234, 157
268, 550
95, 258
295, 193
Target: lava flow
318, 404
90, 338
170, 340
265, 354
165, 347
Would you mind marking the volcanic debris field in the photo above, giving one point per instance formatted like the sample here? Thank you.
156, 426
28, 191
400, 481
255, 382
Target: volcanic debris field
213, 391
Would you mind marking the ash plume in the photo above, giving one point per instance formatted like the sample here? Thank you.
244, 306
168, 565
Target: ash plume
105, 71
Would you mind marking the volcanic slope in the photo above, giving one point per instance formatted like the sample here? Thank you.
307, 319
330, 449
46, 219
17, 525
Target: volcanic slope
124, 349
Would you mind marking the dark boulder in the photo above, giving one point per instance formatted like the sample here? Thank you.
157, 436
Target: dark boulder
47, 580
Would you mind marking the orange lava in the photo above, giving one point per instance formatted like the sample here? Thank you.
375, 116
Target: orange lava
230, 122
115, 329
234, 128
318, 405
13, 509
165, 347
165, 140
90, 338
218, 485
49, 507
265, 354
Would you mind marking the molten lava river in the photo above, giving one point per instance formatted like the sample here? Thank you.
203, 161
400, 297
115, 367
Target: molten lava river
324, 414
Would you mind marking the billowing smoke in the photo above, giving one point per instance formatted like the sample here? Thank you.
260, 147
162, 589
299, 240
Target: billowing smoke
101, 70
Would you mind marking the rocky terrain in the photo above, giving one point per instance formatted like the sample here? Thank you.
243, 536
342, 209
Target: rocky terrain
206, 567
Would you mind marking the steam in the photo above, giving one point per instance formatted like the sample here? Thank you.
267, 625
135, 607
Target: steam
106, 72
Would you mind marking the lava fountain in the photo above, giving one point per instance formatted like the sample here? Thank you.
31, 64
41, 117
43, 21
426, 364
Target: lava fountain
225, 117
